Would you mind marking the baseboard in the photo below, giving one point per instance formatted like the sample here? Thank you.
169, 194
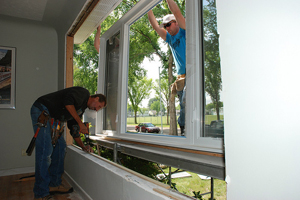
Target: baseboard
15, 171
76, 187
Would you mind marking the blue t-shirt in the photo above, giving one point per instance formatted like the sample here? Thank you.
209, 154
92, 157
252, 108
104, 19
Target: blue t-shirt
178, 45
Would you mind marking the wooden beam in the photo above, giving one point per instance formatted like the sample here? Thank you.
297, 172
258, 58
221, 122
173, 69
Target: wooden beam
69, 76
167, 147
83, 16
69, 61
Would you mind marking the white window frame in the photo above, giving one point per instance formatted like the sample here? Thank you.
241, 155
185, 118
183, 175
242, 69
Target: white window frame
195, 98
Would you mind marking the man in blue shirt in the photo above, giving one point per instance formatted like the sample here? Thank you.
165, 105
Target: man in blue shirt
172, 30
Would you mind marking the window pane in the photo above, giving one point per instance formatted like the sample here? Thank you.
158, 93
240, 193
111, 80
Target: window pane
112, 69
214, 125
149, 79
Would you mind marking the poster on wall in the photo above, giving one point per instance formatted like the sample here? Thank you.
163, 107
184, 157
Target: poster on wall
7, 77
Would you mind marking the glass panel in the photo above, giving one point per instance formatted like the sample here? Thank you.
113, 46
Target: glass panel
214, 124
112, 71
151, 72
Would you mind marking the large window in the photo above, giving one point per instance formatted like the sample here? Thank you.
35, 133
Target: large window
124, 79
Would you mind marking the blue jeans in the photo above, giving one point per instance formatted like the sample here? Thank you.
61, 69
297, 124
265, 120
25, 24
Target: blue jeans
181, 96
49, 161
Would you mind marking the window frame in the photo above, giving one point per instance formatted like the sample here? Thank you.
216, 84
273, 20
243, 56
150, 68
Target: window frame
195, 109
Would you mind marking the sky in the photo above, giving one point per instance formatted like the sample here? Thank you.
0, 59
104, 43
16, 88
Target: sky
152, 69
152, 72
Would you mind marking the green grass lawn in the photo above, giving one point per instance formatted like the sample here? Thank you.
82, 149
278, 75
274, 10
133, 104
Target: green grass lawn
194, 183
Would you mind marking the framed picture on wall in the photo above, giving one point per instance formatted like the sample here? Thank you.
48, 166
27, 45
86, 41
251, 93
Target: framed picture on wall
7, 77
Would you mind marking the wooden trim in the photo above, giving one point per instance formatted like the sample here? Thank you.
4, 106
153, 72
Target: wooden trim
69, 61
69, 76
83, 16
169, 194
167, 147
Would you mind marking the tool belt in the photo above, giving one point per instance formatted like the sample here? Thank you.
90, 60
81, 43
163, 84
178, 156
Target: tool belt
179, 84
56, 131
43, 119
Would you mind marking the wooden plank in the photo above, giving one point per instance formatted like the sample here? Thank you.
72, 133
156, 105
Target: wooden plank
168, 194
69, 61
167, 147
69, 77
83, 16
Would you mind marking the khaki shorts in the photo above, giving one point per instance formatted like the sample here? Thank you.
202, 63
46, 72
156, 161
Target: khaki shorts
179, 84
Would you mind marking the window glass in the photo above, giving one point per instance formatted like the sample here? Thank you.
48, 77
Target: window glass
147, 70
214, 124
151, 72
112, 71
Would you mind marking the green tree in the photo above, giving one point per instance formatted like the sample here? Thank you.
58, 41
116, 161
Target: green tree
213, 81
129, 109
137, 91
86, 57
155, 106
163, 89
143, 110
151, 101
209, 107
86, 65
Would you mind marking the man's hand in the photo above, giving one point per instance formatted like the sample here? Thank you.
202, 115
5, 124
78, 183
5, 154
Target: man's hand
83, 128
88, 149
177, 13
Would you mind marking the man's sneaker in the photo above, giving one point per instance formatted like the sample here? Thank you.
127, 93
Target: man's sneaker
60, 189
49, 197
182, 130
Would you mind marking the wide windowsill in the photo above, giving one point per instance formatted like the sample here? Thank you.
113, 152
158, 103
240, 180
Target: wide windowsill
112, 172
201, 162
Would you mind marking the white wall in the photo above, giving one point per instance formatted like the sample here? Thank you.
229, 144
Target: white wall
260, 48
36, 74
40, 69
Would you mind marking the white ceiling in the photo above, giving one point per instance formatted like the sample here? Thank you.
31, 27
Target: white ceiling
26, 9
59, 12
100, 12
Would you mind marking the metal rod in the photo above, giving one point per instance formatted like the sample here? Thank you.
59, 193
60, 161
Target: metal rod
205, 193
165, 176
162, 128
116, 152
170, 174
212, 188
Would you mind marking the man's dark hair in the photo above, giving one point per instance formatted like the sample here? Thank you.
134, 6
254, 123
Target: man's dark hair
102, 98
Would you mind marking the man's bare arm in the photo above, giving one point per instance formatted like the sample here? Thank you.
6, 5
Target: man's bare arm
160, 31
177, 13
97, 39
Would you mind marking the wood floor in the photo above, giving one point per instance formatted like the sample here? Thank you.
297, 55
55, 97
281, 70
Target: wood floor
15, 188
